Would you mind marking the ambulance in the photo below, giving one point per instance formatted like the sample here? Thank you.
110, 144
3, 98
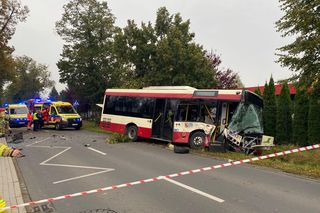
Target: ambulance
17, 114
60, 115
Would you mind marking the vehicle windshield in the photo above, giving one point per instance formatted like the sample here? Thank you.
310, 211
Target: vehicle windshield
18, 111
247, 119
67, 109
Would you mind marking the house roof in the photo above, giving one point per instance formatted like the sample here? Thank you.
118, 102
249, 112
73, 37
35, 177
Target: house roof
277, 87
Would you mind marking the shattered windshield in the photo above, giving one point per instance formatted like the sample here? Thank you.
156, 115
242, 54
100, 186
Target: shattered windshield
247, 119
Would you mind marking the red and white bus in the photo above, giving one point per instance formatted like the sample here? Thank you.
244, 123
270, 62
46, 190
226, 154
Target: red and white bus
185, 115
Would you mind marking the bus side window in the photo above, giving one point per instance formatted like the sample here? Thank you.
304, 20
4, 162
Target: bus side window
193, 113
181, 113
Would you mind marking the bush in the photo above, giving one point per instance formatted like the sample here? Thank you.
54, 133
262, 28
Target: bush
284, 116
117, 138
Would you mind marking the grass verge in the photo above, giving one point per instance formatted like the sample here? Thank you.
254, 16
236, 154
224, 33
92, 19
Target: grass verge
112, 139
93, 127
303, 163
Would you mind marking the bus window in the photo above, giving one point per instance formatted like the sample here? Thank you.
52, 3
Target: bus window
181, 113
208, 113
146, 106
193, 113
109, 107
129, 106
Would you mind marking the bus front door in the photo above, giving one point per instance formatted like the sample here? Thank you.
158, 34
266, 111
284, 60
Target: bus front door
158, 118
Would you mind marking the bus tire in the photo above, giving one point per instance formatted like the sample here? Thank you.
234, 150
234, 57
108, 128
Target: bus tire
181, 149
197, 140
132, 132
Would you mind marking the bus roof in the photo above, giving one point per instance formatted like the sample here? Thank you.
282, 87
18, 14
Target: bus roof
178, 92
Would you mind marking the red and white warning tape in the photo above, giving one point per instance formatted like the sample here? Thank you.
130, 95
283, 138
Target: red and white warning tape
302, 149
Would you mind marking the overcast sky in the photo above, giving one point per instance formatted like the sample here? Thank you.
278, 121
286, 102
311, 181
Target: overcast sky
241, 31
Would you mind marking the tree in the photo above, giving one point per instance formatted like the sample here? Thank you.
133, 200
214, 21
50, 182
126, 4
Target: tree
30, 79
163, 54
134, 49
179, 60
301, 21
270, 109
258, 91
227, 79
300, 119
284, 116
54, 95
87, 63
314, 115
11, 13
70, 94
224, 78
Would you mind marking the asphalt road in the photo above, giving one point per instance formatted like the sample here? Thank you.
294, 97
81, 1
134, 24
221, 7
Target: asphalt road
59, 163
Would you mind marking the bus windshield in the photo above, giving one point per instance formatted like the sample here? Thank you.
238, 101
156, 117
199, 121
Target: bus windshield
66, 109
247, 119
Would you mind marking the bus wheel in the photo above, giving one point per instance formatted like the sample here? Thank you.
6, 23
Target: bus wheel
132, 132
197, 140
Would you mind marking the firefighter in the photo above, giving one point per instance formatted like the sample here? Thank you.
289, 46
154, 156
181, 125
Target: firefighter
7, 152
4, 123
45, 114
29, 117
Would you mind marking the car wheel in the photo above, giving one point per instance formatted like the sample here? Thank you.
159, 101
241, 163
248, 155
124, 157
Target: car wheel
58, 126
197, 140
132, 132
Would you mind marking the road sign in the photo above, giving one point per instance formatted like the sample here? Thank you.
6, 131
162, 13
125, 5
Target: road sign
76, 103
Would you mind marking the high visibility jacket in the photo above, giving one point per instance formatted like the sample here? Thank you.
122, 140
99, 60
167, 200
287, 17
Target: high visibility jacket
35, 116
45, 113
5, 151
2, 205
29, 116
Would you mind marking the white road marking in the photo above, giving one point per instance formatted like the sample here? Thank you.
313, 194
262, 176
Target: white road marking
44, 162
195, 190
82, 176
95, 150
38, 141
65, 149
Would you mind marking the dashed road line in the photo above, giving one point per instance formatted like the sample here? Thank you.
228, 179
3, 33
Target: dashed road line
95, 150
195, 190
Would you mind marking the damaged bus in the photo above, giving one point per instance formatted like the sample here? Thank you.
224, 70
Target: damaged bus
187, 116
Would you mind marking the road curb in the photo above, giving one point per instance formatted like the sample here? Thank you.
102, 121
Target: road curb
11, 190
